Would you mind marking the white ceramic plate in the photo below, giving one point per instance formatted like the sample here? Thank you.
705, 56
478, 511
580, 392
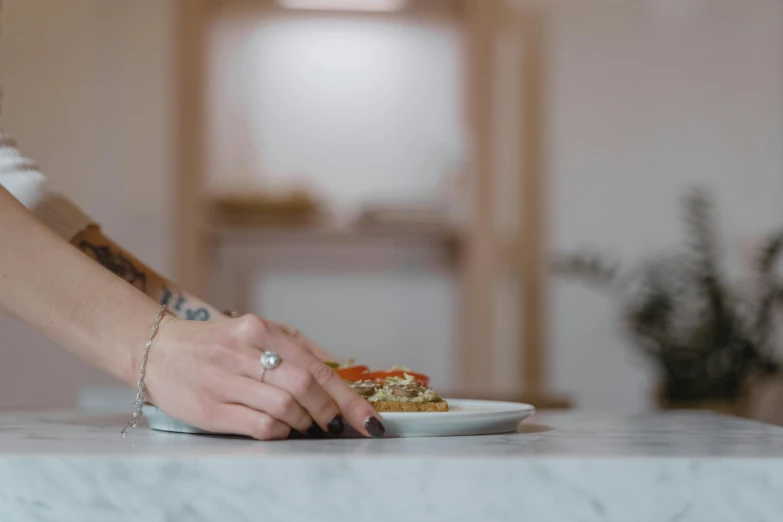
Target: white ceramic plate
465, 417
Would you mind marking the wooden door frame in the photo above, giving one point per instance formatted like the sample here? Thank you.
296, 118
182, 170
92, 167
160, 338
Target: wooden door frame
486, 254
479, 264
191, 255
532, 258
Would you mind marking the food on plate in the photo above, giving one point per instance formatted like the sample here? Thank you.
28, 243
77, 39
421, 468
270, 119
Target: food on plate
395, 390
399, 394
400, 373
355, 373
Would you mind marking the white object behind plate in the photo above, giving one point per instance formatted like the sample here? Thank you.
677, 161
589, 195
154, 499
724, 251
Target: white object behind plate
465, 417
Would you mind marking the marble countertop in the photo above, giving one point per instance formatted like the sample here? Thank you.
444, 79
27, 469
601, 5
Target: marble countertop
559, 467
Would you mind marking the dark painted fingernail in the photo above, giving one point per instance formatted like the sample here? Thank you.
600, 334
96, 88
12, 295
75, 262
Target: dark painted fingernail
336, 427
315, 431
374, 428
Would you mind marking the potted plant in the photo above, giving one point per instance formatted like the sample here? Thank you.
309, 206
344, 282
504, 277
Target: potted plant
708, 339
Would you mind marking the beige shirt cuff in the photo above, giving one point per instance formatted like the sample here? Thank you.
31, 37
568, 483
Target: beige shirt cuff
62, 216
24, 181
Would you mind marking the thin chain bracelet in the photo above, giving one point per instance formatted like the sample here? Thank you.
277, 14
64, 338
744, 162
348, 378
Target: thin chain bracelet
139, 402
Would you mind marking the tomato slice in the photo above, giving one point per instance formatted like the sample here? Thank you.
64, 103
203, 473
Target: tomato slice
354, 373
380, 376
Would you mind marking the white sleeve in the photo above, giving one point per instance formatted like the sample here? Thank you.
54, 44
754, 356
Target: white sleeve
21, 177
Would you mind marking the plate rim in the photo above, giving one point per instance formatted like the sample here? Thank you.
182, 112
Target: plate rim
510, 408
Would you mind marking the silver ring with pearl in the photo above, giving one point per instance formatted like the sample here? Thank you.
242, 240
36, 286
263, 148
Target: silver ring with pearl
269, 361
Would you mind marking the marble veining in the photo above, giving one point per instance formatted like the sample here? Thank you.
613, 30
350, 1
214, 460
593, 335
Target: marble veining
684, 467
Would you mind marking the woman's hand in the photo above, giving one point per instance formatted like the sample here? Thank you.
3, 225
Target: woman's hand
207, 375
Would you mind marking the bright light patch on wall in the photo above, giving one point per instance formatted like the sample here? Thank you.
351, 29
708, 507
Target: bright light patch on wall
345, 5
365, 109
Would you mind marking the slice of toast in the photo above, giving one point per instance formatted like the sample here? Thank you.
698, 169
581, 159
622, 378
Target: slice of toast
410, 406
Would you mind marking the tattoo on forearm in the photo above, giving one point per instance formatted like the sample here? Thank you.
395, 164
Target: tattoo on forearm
178, 306
116, 263
199, 314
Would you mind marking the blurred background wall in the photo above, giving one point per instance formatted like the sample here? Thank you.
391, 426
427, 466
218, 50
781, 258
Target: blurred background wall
649, 97
88, 93
645, 97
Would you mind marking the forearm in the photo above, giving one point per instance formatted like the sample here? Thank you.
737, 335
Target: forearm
50, 285
62, 216
112, 257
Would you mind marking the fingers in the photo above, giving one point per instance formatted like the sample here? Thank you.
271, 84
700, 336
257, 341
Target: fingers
303, 387
241, 420
354, 409
314, 385
289, 377
276, 402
